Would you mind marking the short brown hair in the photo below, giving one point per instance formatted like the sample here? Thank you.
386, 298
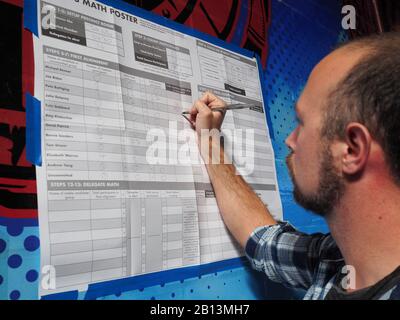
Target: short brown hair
370, 94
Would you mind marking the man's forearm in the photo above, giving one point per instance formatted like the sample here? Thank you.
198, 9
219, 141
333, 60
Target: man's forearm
241, 209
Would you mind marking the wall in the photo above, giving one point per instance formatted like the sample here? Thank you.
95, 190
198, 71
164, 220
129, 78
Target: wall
300, 34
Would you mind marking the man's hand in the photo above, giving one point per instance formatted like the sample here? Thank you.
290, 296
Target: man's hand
201, 115
241, 209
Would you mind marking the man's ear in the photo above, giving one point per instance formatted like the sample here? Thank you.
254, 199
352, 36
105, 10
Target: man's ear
358, 144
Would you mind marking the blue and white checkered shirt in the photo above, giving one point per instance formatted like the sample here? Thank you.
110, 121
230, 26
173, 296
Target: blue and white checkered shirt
298, 260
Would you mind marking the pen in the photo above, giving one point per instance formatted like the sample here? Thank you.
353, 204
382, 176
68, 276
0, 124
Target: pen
234, 106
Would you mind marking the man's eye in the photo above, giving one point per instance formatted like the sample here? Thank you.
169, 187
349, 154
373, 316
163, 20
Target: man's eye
298, 120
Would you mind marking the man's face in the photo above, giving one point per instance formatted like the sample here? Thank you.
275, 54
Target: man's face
314, 162
317, 184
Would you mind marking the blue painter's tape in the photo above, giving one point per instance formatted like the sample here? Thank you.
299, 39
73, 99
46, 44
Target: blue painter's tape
30, 16
68, 295
33, 130
129, 8
147, 280
264, 93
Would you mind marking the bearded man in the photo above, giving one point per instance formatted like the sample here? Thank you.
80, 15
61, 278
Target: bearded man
345, 166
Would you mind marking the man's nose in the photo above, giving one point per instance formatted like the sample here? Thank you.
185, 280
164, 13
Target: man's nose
290, 140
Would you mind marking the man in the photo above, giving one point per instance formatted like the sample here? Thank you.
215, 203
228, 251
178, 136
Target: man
345, 166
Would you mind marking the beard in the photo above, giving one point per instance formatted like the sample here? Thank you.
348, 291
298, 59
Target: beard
330, 188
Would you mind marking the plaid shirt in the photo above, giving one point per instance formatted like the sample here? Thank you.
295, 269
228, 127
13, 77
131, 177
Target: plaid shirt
298, 260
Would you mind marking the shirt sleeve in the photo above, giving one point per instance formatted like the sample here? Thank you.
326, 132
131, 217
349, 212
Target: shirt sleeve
286, 255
